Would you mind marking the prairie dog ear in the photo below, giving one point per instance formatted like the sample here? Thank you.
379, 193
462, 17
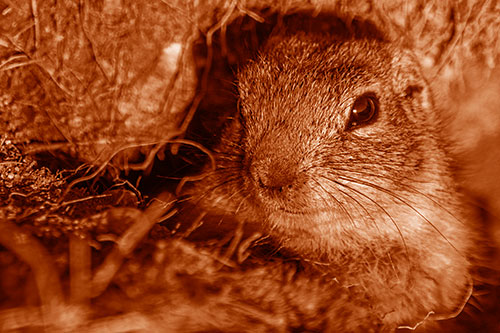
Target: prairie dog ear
410, 85
413, 90
408, 80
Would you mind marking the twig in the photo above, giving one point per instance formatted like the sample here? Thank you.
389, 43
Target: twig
130, 322
195, 225
15, 319
67, 203
29, 250
197, 177
233, 245
100, 168
414, 327
144, 221
34, 11
250, 13
148, 161
82, 17
79, 264
242, 253
14, 58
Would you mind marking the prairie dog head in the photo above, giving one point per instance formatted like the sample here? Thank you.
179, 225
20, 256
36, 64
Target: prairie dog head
336, 151
338, 140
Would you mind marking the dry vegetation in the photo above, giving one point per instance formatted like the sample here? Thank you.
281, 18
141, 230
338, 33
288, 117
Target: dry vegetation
93, 92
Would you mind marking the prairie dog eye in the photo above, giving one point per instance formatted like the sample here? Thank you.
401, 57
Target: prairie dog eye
364, 110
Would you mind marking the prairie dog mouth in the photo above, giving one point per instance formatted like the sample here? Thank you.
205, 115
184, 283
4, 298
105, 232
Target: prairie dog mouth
307, 212
295, 212
288, 207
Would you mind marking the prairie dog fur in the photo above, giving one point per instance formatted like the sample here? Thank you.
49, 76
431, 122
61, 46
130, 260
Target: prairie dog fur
337, 154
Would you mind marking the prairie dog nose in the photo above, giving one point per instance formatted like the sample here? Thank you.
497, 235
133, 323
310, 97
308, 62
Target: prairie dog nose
274, 166
274, 173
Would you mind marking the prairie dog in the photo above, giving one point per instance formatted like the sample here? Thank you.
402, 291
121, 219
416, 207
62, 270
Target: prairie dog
336, 152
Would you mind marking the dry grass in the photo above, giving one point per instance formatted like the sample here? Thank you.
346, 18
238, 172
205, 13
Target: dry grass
113, 84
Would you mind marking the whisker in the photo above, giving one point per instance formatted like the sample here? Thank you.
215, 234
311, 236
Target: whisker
226, 212
241, 202
359, 204
412, 188
221, 170
337, 201
363, 207
211, 189
386, 191
376, 203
